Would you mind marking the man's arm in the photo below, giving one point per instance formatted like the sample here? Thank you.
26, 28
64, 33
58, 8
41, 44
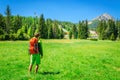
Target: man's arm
40, 48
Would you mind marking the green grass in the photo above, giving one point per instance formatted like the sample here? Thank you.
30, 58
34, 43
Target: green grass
63, 60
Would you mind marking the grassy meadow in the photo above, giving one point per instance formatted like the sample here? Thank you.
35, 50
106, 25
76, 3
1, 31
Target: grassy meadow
63, 60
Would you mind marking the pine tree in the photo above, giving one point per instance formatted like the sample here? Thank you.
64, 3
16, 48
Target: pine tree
50, 29
17, 23
74, 31
83, 30
107, 29
50, 33
118, 28
42, 27
8, 19
86, 29
70, 34
101, 29
61, 34
79, 29
112, 30
56, 30
2, 25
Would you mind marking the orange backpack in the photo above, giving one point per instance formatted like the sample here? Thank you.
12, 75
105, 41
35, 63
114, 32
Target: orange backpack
33, 47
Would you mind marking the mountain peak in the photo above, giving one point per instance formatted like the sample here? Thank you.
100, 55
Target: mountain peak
93, 23
104, 16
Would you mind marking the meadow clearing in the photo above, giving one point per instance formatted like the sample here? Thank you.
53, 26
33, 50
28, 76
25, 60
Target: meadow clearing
63, 60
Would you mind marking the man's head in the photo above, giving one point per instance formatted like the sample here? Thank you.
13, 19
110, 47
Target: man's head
37, 35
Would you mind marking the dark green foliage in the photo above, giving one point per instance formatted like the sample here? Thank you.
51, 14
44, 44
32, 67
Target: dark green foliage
2, 31
56, 30
8, 19
2, 37
50, 29
42, 27
50, 33
118, 28
112, 29
70, 35
83, 30
74, 31
7, 37
101, 29
61, 34
17, 23
80, 30
107, 30
2, 23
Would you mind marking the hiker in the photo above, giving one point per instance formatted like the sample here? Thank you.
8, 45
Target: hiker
35, 51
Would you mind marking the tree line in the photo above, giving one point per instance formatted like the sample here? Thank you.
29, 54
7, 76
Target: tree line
23, 28
109, 30
80, 31
106, 30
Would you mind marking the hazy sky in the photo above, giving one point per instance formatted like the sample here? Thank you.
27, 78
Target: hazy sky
63, 10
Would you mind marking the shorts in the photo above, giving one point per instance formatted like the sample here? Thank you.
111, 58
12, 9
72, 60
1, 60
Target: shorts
35, 58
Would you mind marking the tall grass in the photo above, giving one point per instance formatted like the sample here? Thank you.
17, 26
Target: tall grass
63, 60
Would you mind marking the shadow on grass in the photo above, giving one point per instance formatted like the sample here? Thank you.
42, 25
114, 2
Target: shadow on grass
49, 73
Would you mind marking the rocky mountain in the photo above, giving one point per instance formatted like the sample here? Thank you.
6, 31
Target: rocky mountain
93, 23
104, 16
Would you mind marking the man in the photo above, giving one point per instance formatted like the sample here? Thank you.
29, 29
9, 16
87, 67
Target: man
34, 52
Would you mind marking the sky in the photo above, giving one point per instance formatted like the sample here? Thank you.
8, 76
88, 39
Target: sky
62, 10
